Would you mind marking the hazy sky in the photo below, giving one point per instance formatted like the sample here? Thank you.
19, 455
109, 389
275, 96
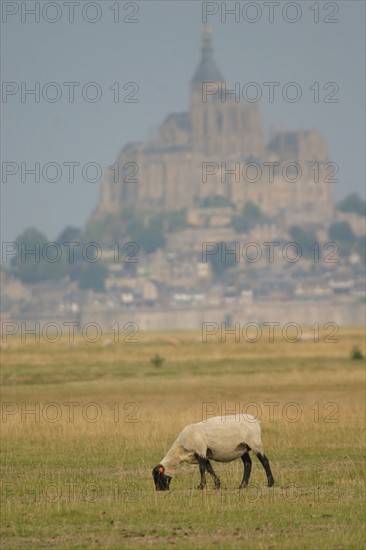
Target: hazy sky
159, 53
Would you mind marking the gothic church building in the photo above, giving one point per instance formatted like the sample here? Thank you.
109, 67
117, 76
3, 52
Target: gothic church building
217, 148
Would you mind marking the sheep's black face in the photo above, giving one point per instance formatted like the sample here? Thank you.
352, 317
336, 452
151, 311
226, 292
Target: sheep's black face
161, 480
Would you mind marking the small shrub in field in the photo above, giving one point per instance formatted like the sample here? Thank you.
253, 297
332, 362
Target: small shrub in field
157, 361
356, 353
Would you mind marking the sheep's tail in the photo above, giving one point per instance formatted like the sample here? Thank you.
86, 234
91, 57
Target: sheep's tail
256, 439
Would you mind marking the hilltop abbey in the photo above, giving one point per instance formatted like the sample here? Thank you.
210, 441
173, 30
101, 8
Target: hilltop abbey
217, 149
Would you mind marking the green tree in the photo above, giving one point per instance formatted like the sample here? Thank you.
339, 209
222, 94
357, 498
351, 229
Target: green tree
216, 201
305, 238
93, 277
100, 230
361, 248
353, 203
250, 216
36, 259
341, 233
175, 220
149, 237
155, 238
127, 214
30, 236
69, 235
222, 259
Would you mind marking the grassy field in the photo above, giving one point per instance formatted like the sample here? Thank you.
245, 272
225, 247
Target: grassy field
83, 425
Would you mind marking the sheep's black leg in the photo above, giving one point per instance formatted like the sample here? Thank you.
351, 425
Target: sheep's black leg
265, 463
210, 470
247, 469
202, 465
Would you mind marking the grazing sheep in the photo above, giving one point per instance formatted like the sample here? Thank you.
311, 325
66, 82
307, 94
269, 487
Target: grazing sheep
222, 439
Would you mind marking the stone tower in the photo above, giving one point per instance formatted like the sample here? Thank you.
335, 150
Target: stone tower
165, 173
206, 111
222, 123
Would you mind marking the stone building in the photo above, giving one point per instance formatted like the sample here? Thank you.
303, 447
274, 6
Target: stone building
218, 148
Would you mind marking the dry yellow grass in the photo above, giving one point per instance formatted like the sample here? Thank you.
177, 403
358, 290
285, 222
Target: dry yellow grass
79, 476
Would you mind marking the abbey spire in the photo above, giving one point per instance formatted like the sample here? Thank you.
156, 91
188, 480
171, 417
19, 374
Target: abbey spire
207, 70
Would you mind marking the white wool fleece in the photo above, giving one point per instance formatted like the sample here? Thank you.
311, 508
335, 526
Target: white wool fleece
221, 438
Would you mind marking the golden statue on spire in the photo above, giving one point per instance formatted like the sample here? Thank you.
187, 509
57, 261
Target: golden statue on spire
206, 34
